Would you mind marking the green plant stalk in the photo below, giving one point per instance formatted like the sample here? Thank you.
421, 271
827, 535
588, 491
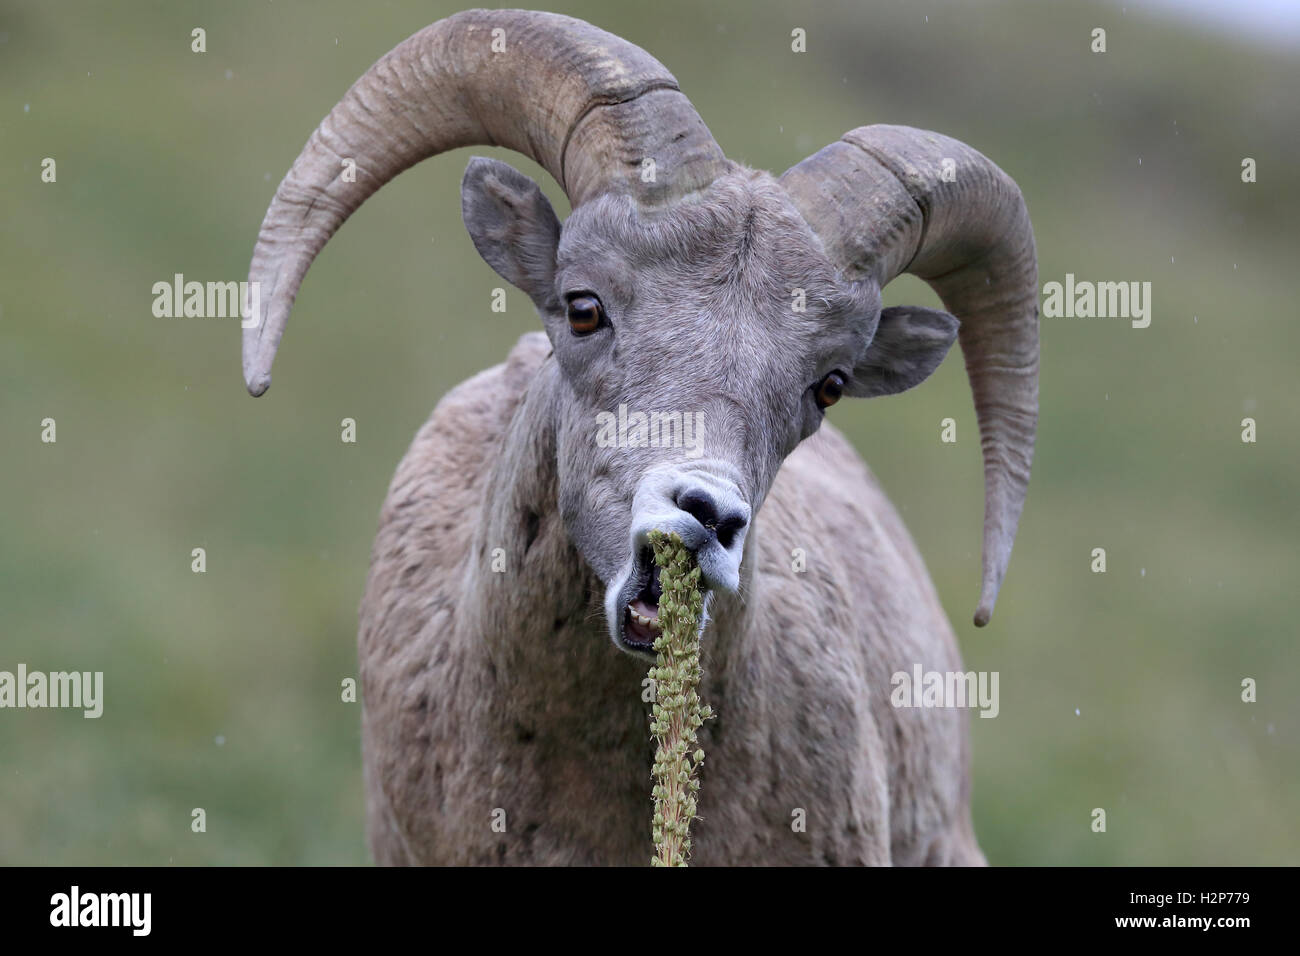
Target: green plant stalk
676, 713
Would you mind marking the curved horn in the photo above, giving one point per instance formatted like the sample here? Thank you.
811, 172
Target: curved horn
584, 104
889, 199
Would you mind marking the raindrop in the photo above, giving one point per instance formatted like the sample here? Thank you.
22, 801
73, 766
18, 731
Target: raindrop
221, 740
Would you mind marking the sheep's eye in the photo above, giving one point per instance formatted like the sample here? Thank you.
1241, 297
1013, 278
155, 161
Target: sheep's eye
586, 314
829, 390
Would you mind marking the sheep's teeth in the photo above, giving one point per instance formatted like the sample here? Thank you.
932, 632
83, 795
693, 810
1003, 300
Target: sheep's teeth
642, 619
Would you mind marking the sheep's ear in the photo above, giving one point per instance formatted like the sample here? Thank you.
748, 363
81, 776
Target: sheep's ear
910, 343
513, 226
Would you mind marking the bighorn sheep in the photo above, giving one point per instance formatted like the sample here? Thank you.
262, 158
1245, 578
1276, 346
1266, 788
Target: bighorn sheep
516, 697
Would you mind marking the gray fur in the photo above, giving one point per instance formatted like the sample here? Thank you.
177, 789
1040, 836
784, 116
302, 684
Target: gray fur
487, 691
503, 720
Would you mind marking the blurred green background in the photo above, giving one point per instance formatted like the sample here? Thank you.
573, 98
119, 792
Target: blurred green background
1118, 690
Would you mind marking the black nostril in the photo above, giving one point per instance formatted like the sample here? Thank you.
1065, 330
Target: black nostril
701, 506
728, 528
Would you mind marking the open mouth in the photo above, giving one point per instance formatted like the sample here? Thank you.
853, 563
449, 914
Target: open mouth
641, 616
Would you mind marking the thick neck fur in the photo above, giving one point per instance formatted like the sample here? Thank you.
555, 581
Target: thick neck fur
540, 621
559, 686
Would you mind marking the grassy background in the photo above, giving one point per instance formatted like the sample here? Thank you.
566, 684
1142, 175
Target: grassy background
1119, 691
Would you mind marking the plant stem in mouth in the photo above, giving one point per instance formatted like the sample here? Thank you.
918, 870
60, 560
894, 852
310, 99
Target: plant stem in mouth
676, 711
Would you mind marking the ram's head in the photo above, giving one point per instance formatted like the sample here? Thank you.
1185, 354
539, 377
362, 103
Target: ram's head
702, 314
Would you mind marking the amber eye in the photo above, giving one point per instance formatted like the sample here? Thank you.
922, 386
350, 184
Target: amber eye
585, 314
829, 390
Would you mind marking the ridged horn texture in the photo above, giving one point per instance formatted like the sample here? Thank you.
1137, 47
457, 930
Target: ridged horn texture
584, 104
890, 199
